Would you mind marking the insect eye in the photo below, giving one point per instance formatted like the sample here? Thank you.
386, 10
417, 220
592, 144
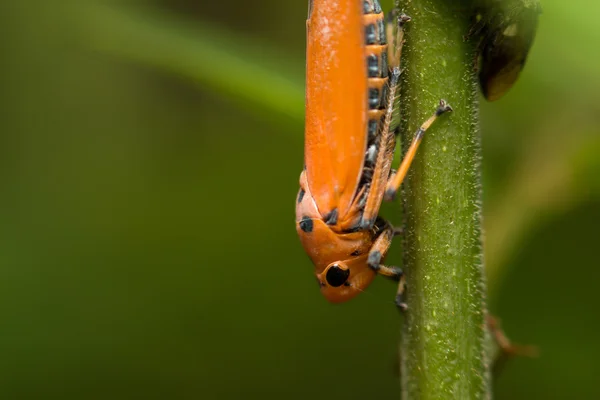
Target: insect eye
336, 276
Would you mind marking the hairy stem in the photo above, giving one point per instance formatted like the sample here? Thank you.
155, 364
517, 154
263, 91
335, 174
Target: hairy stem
442, 349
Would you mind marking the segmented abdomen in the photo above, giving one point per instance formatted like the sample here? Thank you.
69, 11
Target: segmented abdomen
376, 53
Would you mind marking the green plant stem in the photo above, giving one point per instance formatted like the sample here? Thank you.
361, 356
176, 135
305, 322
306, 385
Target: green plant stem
442, 349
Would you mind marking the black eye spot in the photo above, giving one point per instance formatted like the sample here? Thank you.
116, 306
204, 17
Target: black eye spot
337, 276
355, 253
306, 224
300, 196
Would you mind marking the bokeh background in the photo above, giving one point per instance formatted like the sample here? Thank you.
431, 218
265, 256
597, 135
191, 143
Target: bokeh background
149, 161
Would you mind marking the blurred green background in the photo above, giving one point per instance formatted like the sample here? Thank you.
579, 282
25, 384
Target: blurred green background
150, 154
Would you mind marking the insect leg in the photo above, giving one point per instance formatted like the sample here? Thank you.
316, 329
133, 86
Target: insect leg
379, 250
400, 295
383, 160
395, 182
376, 254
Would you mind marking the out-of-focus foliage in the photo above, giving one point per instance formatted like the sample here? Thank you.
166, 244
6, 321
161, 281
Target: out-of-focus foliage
148, 182
507, 29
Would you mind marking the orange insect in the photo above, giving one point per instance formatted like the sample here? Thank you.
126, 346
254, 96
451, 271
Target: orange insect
352, 79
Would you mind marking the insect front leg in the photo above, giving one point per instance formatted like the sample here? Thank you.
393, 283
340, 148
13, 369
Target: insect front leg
376, 255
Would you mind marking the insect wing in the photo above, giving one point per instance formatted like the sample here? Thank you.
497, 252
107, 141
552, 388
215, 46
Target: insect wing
336, 103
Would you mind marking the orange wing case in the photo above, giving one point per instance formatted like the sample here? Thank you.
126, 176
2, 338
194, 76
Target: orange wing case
336, 103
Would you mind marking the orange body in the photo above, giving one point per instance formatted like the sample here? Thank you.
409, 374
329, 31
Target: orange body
351, 85
337, 106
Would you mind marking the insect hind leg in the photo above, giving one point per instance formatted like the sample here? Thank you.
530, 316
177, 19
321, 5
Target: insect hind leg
396, 180
385, 153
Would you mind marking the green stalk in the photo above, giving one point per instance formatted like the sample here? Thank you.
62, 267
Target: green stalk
442, 349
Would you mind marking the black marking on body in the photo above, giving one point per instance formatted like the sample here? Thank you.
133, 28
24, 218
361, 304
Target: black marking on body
371, 155
374, 98
370, 34
332, 217
367, 176
301, 195
306, 224
372, 130
374, 260
373, 66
